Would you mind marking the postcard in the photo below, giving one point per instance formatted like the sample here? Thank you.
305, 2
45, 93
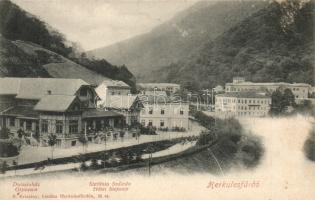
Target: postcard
155, 99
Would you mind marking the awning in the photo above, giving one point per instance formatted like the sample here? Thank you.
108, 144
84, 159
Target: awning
98, 113
23, 112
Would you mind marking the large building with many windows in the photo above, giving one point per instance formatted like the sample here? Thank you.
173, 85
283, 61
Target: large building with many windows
242, 104
66, 108
162, 112
300, 90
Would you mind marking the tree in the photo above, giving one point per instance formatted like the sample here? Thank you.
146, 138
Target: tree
281, 100
4, 133
121, 135
288, 98
276, 103
4, 167
14, 163
7, 147
94, 164
52, 140
83, 140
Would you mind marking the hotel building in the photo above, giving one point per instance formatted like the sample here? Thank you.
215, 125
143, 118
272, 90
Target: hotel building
242, 104
162, 112
300, 90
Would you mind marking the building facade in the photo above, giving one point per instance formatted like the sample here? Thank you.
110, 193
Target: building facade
63, 107
167, 87
242, 104
300, 90
127, 105
112, 87
163, 113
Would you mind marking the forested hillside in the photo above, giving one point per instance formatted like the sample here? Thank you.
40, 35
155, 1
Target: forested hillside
29, 47
274, 44
173, 40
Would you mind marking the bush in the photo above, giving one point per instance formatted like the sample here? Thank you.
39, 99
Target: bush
148, 130
3, 167
309, 149
94, 164
204, 119
7, 149
251, 152
83, 166
205, 138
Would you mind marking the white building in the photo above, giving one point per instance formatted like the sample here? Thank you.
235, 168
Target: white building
168, 87
242, 104
300, 90
161, 112
127, 105
111, 88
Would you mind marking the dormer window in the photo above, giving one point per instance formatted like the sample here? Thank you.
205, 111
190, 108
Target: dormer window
83, 92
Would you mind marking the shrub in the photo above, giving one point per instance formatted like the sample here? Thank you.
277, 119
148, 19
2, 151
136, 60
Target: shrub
83, 166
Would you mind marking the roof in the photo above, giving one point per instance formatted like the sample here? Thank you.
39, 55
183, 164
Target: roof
121, 101
152, 85
159, 99
115, 83
9, 86
248, 94
22, 112
248, 83
157, 93
35, 88
98, 113
56, 103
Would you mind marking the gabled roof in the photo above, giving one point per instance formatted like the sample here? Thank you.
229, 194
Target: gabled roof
22, 112
115, 83
35, 88
121, 101
55, 103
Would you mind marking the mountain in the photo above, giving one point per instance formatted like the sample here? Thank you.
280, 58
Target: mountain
274, 44
31, 48
174, 40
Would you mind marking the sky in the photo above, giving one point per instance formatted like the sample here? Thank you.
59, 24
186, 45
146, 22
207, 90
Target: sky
98, 23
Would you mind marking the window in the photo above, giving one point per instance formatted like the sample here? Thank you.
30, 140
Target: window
143, 122
12, 121
150, 123
113, 93
83, 92
44, 126
162, 123
162, 111
150, 111
73, 126
59, 126
181, 112
28, 125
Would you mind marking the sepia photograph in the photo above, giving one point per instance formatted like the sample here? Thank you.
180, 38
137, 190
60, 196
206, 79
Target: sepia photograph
157, 99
